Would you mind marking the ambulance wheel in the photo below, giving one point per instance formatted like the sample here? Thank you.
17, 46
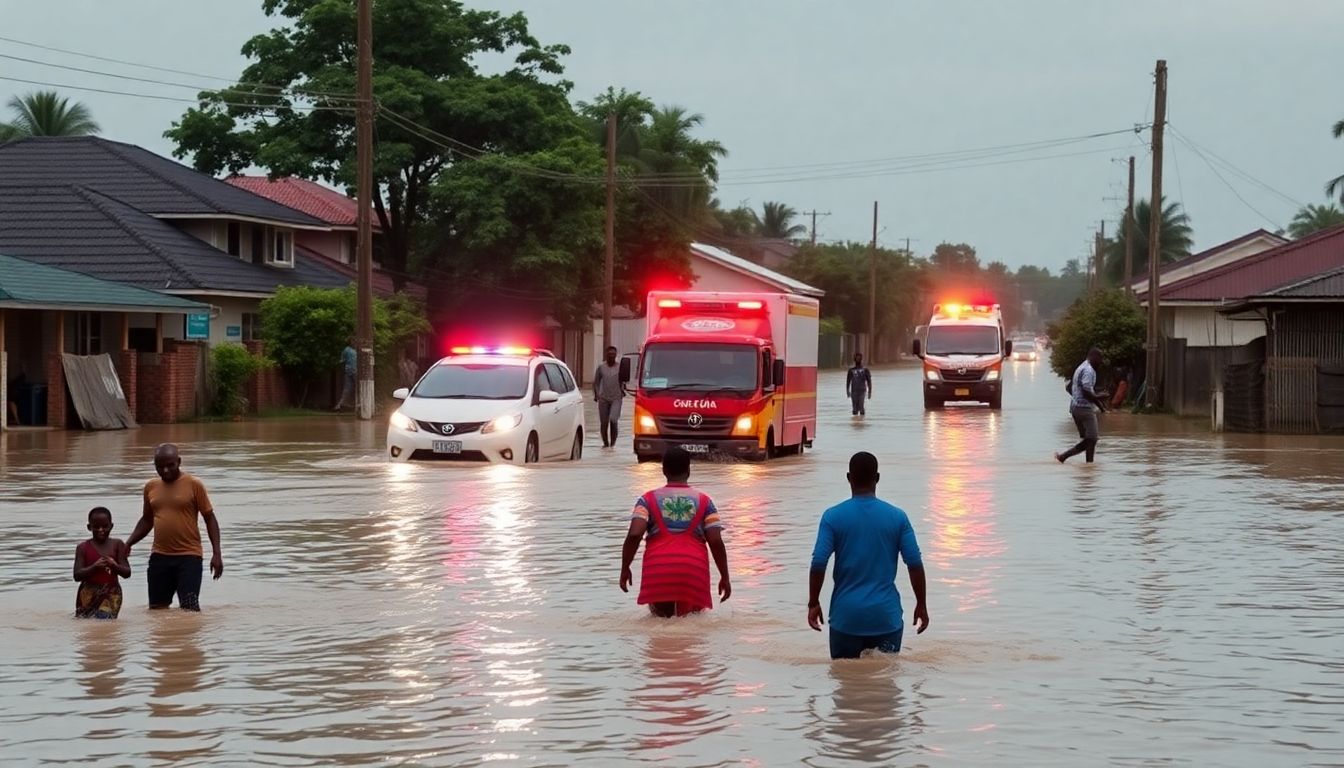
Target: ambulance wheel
771, 451
932, 403
996, 403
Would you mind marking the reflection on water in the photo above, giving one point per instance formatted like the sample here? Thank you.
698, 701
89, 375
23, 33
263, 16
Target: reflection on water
1178, 602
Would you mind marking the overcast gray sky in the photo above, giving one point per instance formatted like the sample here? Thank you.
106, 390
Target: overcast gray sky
793, 83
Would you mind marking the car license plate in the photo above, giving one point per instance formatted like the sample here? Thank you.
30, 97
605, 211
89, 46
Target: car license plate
962, 392
695, 448
447, 446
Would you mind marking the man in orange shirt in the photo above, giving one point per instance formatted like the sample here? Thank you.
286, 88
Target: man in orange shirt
173, 502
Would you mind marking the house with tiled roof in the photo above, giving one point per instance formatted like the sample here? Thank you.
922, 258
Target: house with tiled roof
337, 243
1200, 337
120, 213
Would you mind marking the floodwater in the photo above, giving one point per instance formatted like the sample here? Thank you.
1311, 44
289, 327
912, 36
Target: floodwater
1181, 602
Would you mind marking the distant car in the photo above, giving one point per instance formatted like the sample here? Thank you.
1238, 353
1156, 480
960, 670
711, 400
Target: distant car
504, 405
1026, 350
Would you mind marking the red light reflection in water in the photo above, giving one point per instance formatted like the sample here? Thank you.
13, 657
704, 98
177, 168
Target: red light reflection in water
965, 545
744, 519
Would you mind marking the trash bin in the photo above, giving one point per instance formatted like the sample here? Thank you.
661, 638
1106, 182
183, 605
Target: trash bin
32, 402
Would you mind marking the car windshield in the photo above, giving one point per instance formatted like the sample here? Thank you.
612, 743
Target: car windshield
726, 368
475, 381
962, 340
1024, 346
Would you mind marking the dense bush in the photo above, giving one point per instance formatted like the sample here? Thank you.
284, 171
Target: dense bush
306, 329
231, 365
1110, 320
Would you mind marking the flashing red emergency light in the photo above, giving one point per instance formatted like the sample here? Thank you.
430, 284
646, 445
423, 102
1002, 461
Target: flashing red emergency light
669, 303
494, 351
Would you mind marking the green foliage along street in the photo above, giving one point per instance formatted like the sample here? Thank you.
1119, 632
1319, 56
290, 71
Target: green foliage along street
1110, 320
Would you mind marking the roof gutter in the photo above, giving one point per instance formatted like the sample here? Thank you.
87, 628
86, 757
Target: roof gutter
94, 307
319, 227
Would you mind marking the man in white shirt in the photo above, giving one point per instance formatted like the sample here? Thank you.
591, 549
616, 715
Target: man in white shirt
1084, 404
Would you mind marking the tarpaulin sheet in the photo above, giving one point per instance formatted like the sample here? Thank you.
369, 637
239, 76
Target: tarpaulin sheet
96, 392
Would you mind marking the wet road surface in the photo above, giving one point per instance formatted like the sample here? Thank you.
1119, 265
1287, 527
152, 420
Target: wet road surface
1179, 603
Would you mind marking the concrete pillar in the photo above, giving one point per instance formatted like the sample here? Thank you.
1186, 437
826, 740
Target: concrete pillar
158, 332
56, 377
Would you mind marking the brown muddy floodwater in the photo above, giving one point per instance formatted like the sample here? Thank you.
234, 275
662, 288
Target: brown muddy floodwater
1179, 603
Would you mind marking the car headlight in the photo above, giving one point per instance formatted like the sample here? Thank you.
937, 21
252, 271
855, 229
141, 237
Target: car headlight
403, 422
745, 425
992, 374
645, 423
502, 424
931, 374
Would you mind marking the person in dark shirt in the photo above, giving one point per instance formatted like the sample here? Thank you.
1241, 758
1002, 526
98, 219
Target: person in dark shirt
859, 385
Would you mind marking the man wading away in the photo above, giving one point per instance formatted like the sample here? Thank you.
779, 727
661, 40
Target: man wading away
173, 501
1084, 404
609, 394
679, 521
859, 385
866, 535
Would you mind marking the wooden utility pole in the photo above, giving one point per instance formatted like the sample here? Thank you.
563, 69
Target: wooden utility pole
609, 269
1129, 232
814, 214
1154, 361
364, 195
872, 292
1098, 248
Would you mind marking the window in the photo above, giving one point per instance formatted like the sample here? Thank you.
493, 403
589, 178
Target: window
570, 386
560, 381
282, 251
251, 326
234, 238
473, 382
88, 333
258, 244
727, 369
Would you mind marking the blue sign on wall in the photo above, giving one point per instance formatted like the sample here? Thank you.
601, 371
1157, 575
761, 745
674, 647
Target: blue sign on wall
233, 331
198, 326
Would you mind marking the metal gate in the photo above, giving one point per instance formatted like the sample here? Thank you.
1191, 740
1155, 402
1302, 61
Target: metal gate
1290, 395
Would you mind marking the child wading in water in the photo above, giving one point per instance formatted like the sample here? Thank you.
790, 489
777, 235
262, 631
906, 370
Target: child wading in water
98, 563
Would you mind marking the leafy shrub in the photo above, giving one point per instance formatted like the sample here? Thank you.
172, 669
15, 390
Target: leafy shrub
1110, 320
231, 365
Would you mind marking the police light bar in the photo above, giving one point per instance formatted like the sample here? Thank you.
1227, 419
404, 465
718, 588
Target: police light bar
489, 351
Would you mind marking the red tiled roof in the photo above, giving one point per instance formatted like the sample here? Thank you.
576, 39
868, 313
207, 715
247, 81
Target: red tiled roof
311, 198
382, 282
1254, 275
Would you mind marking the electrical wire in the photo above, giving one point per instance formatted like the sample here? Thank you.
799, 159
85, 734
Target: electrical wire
180, 99
1226, 183
1228, 166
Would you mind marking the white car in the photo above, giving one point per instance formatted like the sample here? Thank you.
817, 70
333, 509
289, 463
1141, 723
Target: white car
501, 405
1026, 350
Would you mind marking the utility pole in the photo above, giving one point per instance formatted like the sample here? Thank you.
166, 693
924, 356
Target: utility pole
610, 266
814, 214
872, 292
363, 225
1099, 243
1154, 361
1129, 232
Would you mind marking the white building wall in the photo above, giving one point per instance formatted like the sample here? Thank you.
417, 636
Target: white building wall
1205, 327
713, 277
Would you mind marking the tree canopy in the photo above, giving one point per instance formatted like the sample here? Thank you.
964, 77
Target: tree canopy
46, 113
1177, 239
1314, 218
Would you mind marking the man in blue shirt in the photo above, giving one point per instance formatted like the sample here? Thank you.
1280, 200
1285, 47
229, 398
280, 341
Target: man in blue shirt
1084, 403
866, 535
349, 364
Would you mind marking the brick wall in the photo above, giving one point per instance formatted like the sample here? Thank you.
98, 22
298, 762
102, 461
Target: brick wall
55, 391
127, 364
166, 383
267, 388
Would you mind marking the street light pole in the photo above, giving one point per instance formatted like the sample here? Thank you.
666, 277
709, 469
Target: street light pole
364, 195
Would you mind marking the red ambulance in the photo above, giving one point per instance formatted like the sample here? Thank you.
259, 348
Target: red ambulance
730, 374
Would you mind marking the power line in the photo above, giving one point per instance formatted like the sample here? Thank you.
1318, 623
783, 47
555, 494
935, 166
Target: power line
1226, 183
180, 99
1227, 165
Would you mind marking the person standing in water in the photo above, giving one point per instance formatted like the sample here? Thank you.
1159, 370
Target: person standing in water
679, 522
859, 385
173, 503
609, 393
99, 562
1084, 405
866, 535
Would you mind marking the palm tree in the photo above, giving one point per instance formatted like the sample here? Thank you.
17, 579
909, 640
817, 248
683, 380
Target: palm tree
1177, 238
46, 113
690, 166
1336, 184
777, 222
1314, 218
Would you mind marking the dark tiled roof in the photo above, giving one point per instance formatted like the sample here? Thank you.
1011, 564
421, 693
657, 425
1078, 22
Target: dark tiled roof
1265, 271
1327, 285
81, 230
27, 283
137, 177
382, 282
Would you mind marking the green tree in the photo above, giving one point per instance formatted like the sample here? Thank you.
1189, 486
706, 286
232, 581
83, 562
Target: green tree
777, 221
739, 223
955, 259
291, 112
1336, 185
1315, 218
1110, 320
1177, 238
842, 271
306, 328
47, 113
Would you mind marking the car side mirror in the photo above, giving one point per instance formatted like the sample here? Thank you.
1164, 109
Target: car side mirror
917, 348
401, 394
548, 396
778, 373
1007, 348
625, 370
